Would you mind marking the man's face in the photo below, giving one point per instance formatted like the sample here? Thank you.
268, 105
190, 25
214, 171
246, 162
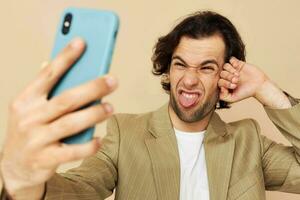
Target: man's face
194, 74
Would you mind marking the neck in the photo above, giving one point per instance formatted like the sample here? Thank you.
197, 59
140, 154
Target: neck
189, 127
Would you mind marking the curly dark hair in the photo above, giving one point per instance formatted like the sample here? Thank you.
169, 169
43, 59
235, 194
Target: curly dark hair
197, 25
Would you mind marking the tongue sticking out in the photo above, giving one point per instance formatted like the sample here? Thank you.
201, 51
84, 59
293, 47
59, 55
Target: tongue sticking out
188, 100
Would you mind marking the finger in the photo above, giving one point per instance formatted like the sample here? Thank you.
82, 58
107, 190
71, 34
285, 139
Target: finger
237, 64
75, 152
225, 95
60, 153
228, 67
229, 76
77, 97
224, 92
226, 84
76, 122
50, 74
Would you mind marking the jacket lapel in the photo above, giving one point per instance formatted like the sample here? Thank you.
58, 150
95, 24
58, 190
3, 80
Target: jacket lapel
164, 155
219, 148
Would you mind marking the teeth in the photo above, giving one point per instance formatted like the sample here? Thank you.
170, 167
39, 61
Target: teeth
190, 96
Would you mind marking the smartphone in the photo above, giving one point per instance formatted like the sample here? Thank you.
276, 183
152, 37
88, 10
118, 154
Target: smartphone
98, 28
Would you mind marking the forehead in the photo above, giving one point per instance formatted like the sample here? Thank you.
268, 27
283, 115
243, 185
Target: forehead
195, 51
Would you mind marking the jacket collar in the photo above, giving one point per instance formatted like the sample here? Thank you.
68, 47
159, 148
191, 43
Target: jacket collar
160, 124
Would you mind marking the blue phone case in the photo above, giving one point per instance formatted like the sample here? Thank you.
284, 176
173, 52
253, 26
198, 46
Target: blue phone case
99, 29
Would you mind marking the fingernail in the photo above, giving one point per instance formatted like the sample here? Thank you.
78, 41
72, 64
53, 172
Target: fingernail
233, 60
111, 81
77, 43
108, 108
97, 141
236, 73
44, 64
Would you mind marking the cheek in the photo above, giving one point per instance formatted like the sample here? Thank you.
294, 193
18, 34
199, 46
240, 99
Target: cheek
174, 79
210, 85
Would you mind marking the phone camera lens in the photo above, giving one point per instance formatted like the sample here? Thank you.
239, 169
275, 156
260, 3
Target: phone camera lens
67, 23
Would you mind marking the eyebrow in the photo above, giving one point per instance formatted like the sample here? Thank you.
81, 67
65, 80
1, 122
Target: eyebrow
209, 61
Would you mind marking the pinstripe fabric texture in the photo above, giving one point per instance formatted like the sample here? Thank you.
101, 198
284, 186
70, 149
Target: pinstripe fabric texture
139, 158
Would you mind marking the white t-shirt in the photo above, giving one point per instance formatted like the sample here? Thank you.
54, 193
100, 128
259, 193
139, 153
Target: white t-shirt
193, 173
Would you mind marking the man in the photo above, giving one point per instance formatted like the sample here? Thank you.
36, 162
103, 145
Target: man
181, 151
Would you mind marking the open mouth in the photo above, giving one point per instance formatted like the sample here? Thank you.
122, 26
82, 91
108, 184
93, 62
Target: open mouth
188, 99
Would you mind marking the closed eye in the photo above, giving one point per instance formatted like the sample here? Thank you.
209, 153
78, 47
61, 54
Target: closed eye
179, 64
211, 68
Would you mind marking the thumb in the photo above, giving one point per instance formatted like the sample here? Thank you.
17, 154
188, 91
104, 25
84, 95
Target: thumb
225, 95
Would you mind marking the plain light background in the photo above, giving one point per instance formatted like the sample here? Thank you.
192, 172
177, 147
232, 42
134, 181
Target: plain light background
270, 30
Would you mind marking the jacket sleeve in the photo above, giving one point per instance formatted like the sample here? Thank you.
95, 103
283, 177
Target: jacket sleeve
281, 164
95, 178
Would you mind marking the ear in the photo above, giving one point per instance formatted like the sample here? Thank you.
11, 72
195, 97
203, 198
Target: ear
165, 78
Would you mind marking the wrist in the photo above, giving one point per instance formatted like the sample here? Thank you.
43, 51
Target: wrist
32, 193
13, 192
270, 95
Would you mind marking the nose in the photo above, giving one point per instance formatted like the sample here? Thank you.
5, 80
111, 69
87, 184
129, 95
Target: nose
190, 78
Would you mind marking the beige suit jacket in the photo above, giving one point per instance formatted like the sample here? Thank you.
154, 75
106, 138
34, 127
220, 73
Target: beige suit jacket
139, 158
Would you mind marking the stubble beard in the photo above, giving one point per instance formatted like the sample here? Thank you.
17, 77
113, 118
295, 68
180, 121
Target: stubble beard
200, 112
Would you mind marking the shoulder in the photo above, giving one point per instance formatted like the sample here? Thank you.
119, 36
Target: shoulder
244, 130
243, 126
246, 133
126, 119
129, 123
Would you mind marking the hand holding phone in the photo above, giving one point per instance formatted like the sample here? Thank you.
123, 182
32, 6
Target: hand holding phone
37, 124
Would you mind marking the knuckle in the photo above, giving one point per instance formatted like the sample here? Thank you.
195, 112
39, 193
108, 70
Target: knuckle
63, 125
48, 72
235, 61
63, 104
229, 76
70, 155
53, 129
31, 135
35, 160
16, 105
24, 128
93, 148
222, 73
100, 86
61, 60
62, 158
102, 111
58, 62
242, 64
220, 83
226, 66
229, 69
66, 56
97, 88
